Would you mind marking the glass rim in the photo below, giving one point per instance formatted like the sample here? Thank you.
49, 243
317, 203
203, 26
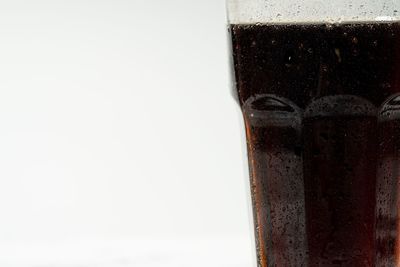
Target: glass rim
312, 11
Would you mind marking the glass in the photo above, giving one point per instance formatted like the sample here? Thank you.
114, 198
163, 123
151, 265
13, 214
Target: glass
318, 83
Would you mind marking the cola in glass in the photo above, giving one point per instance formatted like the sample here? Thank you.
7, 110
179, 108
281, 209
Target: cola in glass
321, 105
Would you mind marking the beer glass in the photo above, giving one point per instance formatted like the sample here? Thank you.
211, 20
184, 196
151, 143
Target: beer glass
318, 83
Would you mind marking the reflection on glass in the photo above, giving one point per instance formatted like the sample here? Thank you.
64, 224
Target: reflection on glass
274, 140
387, 215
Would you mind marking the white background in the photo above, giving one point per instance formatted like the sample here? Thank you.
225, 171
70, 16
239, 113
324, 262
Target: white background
120, 144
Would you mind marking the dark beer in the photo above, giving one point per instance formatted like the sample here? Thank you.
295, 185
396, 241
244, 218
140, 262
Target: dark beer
322, 114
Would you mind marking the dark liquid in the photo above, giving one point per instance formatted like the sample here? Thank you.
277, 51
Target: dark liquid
323, 125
